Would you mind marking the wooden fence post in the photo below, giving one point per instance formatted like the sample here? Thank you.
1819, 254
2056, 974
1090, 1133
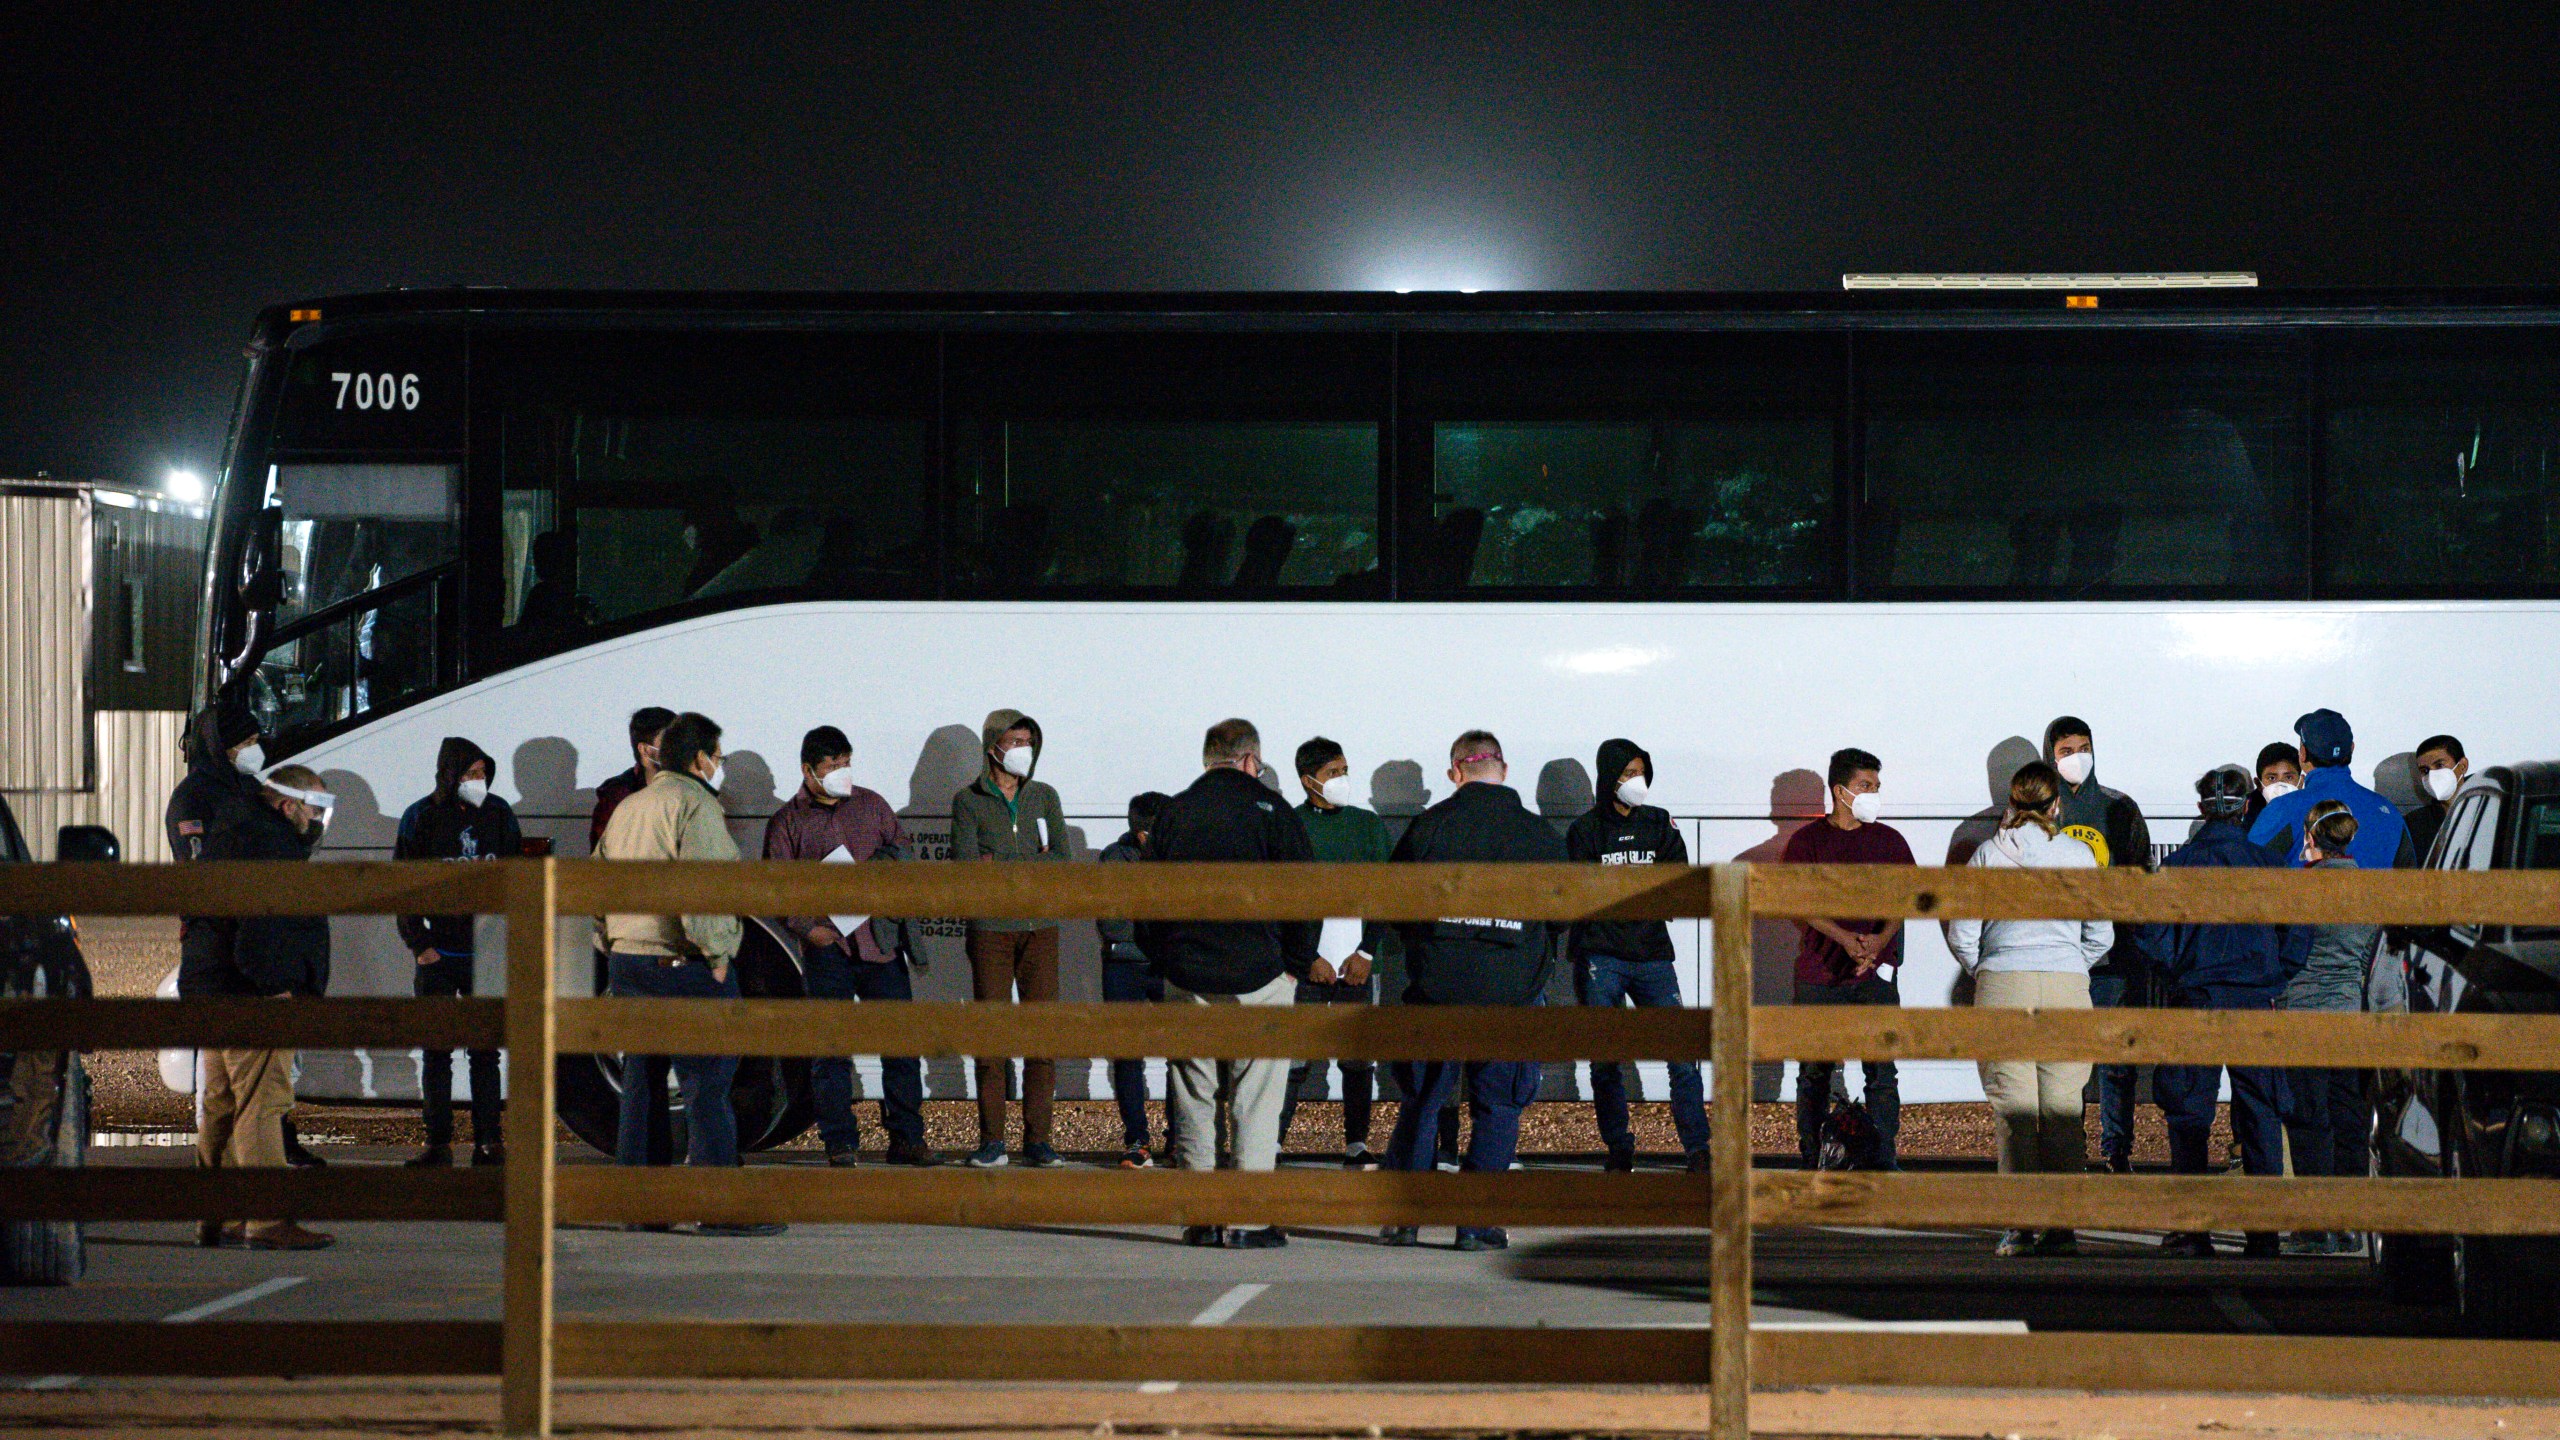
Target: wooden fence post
533, 912
1729, 1252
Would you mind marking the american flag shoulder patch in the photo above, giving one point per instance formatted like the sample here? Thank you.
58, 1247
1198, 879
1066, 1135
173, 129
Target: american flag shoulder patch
190, 827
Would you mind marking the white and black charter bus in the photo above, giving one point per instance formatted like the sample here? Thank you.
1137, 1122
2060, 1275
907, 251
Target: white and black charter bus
1744, 530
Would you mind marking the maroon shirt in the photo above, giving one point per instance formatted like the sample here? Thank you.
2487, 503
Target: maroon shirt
804, 829
1821, 961
609, 795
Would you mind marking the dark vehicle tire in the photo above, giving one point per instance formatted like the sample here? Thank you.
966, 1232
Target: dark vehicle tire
2411, 1269
770, 1097
2499, 1290
46, 1252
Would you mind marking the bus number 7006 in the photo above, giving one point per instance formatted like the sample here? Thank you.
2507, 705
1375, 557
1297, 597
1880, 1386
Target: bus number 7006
376, 392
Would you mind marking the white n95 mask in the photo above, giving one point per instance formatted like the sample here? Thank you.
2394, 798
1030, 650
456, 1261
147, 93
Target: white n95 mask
251, 759
2441, 783
719, 773
838, 782
2076, 766
1631, 793
2276, 790
1337, 791
1867, 808
1018, 761
472, 792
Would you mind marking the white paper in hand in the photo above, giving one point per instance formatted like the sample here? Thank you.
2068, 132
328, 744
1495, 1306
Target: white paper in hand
845, 924
1340, 938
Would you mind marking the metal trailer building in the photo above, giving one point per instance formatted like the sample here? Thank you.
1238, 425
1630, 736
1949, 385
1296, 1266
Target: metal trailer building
98, 596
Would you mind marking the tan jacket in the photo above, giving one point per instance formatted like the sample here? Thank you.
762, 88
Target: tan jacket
672, 818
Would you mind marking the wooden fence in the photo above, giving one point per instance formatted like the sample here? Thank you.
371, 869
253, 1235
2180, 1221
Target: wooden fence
530, 1344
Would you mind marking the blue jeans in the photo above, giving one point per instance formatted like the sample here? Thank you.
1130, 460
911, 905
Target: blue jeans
1606, 981
1880, 1085
831, 974
1131, 982
2188, 1097
2327, 1118
1497, 1091
711, 1127
2116, 1083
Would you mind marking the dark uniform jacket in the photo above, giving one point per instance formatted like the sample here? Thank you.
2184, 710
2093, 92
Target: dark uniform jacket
1645, 836
2212, 964
1476, 960
441, 827
1120, 937
1228, 815
209, 805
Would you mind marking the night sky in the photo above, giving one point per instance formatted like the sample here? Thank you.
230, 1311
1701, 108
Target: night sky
163, 179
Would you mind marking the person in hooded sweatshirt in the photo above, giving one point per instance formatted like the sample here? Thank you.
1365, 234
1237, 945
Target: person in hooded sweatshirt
2222, 967
2326, 1116
1618, 961
248, 1092
2034, 965
1127, 979
1228, 814
2111, 825
1471, 960
1005, 815
458, 820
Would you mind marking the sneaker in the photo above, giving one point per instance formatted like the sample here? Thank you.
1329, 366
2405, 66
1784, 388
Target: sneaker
434, 1157
2014, 1243
301, 1159
1401, 1236
1622, 1158
2188, 1244
1137, 1158
2058, 1241
846, 1158
990, 1156
493, 1153
2120, 1163
1699, 1163
1041, 1157
1269, 1237
914, 1154
1446, 1166
1358, 1156
1488, 1238
722, 1230
285, 1236
1203, 1237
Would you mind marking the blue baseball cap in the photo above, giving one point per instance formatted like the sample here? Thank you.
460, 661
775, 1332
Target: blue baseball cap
2326, 737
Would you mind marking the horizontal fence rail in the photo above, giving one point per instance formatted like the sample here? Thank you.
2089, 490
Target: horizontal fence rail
533, 1196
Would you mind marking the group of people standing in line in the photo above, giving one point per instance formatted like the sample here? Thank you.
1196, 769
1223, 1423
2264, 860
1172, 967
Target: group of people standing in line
2300, 808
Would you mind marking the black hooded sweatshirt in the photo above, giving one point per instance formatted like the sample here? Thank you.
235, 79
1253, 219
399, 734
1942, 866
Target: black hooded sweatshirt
1228, 815
441, 827
1477, 960
205, 811
1644, 836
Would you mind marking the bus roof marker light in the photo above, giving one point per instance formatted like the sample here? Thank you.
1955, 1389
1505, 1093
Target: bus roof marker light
302, 317
2079, 302
2146, 280
184, 486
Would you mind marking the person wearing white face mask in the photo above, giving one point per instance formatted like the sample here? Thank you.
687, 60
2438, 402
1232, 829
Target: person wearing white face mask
1849, 962
2279, 774
1343, 973
458, 820
850, 957
1621, 961
1007, 815
2441, 768
2111, 825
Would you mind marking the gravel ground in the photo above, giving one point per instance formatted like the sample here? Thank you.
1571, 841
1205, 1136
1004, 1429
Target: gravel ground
128, 956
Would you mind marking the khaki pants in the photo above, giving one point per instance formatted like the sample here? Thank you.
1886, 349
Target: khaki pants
2036, 1103
246, 1095
1256, 1089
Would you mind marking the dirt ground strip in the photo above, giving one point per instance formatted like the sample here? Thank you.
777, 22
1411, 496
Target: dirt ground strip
313, 1410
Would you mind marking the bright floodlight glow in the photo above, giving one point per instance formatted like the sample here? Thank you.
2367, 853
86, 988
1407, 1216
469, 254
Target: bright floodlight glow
185, 486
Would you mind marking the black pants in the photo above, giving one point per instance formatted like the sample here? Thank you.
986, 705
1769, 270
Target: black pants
1882, 1088
450, 975
1359, 1077
2327, 1119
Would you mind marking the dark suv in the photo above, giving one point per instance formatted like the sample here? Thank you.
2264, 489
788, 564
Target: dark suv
2476, 1122
44, 1094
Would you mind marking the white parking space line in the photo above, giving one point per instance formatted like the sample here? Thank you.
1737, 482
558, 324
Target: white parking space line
1224, 1308
1880, 1232
1220, 1311
51, 1382
232, 1301
2235, 1307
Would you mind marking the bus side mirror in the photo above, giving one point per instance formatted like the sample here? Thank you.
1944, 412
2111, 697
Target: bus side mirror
76, 844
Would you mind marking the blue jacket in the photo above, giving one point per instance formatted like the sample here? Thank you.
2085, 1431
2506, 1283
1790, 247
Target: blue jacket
2380, 832
2254, 958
